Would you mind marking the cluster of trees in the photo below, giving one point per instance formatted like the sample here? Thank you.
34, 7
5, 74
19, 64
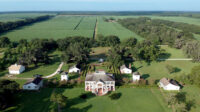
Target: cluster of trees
8, 89
192, 78
179, 101
105, 41
27, 53
4, 27
109, 19
192, 49
155, 31
182, 26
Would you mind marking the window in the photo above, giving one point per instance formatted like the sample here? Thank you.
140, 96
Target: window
29, 86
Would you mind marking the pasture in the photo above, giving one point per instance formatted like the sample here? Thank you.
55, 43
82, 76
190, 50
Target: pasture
57, 27
132, 99
113, 28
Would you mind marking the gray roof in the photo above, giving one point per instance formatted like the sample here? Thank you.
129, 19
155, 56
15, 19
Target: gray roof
99, 77
164, 81
64, 73
136, 73
123, 66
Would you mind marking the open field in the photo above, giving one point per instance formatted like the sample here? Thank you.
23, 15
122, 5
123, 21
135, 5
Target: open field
57, 27
131, 99
113, 28
20, 16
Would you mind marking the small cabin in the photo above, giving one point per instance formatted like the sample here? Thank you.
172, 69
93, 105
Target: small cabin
74, 69
35, 84
125, 70
16, 69
136, 76
169, 84
64, 76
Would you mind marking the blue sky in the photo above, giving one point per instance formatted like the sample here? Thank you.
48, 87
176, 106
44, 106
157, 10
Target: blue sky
99, 5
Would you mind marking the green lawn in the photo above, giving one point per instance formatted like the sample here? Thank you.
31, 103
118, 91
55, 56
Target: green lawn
57, 27
132, 99
173, 53
157, 70
113, 28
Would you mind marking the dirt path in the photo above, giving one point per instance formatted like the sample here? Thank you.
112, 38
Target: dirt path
53, 74
176, 59
95, 29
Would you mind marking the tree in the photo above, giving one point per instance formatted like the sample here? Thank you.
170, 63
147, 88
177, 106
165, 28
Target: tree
4, 42
192, 49
130, 42
115, 56
7, 91
59, 99
195, 75
76, 52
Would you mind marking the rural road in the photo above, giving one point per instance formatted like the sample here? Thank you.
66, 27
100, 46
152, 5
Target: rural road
53, 74
176, 59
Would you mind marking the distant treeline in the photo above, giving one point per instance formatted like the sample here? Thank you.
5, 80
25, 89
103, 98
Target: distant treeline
7, 26
155, 30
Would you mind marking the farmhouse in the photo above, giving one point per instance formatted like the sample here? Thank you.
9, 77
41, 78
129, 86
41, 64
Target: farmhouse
35, 84
64, 76
16, 69
136, 76
167, 84
125, 70
100, 83
74, 69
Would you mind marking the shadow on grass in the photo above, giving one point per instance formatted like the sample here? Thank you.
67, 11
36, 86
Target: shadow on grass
145, 76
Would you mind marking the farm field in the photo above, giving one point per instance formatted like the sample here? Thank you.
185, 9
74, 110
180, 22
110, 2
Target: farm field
20, 16
57, 27
152, 100
113, 28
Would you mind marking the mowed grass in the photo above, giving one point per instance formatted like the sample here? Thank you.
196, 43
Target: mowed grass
57, 27
114, 28
18, 16
157, 70
173, 53
132, 99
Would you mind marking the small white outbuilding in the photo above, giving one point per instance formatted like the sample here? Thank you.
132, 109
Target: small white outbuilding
64, 76
136, 76
74, 69
169, 85
125, 70
16, 69
35, 84
101, 60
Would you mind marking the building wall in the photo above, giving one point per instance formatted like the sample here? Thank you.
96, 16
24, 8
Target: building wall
92, 85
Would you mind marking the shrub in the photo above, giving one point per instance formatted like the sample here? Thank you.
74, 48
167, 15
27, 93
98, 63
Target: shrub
115, 96
83, 96
126, 80
170, 69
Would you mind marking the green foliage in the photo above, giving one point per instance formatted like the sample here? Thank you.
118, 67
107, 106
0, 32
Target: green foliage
195, 75
7, 91
59, 99
192, 49
108, 40
4, 42
77, 53
115, 96
170, 69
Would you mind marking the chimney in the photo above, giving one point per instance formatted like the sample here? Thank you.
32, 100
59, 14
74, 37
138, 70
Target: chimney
130, 65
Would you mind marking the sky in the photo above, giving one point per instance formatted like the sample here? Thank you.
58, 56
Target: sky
99, 5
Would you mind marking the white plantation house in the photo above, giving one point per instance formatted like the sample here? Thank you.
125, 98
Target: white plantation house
167, 84
74, 69
100, 82
35, 84
16, 69
125, 70
64, 76
136, 76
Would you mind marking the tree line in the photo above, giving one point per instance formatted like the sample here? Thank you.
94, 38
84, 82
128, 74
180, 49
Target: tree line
7, 26
166, 32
